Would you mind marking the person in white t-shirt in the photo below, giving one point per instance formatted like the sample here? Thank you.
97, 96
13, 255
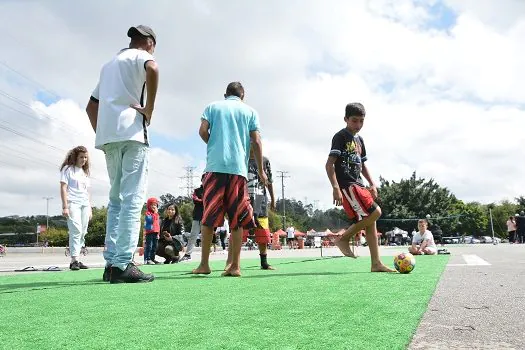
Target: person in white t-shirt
76, 207
423, 240
290, 236
120, 119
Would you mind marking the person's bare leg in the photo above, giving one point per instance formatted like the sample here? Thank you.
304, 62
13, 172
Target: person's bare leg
229, 258
343, 243
413, 250
377, 264
204, 266
429, 251
234, 269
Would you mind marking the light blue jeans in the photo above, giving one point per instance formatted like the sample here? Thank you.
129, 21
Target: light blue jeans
127, 164
77, 224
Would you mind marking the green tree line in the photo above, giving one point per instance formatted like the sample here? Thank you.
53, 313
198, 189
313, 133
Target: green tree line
402, 203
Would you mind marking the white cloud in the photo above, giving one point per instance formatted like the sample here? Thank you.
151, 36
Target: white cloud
443, 103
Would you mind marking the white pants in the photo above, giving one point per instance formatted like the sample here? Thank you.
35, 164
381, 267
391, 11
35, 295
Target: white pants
77, 224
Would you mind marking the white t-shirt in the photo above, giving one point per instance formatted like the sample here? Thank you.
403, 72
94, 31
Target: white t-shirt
291, 232
224, 227
427, 236
122, 83
77, 184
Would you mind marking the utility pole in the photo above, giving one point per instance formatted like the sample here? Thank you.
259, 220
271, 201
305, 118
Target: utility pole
188, 180
47, 215
282, 175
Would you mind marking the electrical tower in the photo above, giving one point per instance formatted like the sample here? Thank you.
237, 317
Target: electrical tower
282, 175
188, 180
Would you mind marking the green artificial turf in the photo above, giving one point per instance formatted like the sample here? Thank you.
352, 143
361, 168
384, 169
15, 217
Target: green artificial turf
310, 303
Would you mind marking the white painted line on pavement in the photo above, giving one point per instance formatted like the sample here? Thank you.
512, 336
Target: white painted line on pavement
472, 260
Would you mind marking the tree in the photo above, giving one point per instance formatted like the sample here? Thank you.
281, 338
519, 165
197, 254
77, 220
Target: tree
97, 227
403, 202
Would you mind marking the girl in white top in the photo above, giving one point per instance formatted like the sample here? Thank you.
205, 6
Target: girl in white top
423, 241
76, 207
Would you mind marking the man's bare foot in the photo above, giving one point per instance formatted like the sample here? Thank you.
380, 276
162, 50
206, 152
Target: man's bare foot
232, 272
381, 268
344, 247
268, 267
201, 270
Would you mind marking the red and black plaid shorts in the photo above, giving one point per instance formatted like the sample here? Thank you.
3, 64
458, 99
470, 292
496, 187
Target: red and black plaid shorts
226, 194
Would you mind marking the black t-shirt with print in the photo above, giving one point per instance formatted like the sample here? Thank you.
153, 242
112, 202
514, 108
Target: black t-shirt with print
256, 189
351, 154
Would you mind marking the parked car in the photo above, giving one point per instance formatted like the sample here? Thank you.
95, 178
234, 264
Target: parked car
485, 239
471, 240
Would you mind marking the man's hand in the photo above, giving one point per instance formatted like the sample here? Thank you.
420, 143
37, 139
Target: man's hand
373, 191
338, 196
145, 111
263, 178
65, 212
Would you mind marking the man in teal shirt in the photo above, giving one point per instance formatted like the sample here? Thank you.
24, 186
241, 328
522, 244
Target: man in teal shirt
227, 127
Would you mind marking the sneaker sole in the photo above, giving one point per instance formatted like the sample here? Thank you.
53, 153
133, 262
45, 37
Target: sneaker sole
137, 281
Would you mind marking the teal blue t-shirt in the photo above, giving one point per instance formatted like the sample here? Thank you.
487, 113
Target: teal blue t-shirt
231, 122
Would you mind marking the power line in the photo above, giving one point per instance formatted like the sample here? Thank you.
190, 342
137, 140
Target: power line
283, 176
189, 180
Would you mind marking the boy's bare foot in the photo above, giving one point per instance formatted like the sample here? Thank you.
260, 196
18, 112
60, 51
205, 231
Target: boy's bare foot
381, 268
201, 270
344, 247
232, 272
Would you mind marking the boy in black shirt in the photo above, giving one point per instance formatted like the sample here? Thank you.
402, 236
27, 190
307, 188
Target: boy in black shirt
344, 166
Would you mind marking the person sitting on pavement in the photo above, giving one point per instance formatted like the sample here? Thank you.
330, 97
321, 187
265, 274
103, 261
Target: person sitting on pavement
423, 240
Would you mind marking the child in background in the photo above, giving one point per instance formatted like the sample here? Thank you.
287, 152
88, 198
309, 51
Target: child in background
423, 241
151, 231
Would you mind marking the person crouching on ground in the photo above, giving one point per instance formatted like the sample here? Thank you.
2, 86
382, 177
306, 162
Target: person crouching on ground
170, 241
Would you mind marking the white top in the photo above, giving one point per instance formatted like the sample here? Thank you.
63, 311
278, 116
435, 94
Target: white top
290, 232
122, 83
511, 226
77, 184
224, 227
427, 236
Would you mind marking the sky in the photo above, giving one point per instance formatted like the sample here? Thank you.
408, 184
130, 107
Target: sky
443, 83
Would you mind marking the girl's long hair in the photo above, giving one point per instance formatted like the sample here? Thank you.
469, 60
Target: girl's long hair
71, 158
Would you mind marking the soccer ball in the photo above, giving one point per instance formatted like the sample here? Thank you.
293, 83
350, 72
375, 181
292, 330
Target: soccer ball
404, 262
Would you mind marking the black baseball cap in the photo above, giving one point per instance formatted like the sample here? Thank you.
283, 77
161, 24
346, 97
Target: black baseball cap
142, 30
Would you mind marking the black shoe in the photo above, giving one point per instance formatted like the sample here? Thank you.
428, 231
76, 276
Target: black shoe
74, 266
82, 266
175, 260
185, 258
107, 274
131, 274
167, 261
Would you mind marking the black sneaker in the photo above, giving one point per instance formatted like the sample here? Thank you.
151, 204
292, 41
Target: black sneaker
82, 266
185, 258
131, 274
107, 274
74, 266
